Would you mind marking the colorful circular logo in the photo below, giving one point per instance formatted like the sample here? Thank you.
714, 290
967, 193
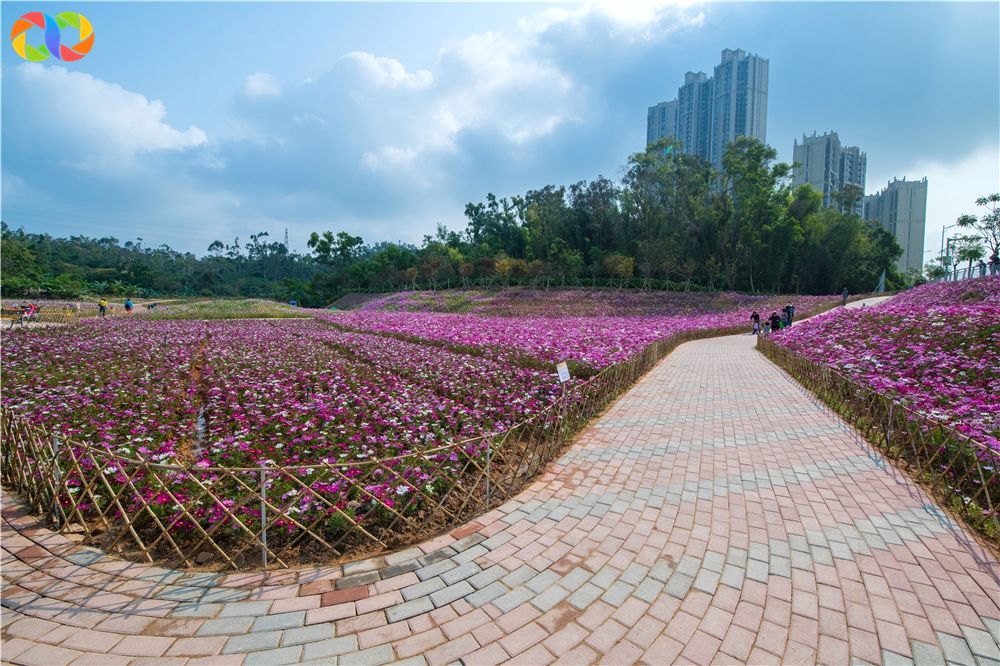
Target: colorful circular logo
52, 27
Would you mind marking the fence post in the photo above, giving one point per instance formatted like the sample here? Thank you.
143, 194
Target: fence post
263, 515
489, 456
57, 475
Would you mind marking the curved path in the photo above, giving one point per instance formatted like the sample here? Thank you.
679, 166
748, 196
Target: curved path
715, 514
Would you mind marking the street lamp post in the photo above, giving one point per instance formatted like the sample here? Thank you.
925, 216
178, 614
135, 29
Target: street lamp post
943, 246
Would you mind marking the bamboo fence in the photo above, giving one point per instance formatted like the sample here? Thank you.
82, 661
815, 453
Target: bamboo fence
280, 515
962, 472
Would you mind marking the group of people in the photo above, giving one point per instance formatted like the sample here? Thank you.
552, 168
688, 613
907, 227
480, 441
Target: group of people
994, 265
102, 307
775, 322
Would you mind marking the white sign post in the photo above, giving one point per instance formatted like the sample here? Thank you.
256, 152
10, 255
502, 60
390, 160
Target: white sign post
563, 371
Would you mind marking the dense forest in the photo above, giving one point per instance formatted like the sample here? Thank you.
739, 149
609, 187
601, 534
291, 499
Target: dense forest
671, 219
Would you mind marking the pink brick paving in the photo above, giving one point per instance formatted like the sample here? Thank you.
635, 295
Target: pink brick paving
715, 514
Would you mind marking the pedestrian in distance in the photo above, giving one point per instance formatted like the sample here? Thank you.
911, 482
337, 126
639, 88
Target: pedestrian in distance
994, 263
755, 318
982, 268
128, 306
789, 311
102, 307
844, 294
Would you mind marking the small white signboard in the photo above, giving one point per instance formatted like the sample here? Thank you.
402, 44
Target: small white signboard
563, 371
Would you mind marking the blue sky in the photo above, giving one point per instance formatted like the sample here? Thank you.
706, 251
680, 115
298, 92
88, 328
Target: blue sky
191, 122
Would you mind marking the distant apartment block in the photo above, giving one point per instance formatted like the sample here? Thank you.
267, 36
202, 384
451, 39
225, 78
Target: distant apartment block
661, 121
821, 161
711, 111
901, 208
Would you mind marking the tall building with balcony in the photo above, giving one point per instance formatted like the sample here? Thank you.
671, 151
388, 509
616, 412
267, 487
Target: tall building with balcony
711, 111
739, 104
821, 161
694, 114
901, 208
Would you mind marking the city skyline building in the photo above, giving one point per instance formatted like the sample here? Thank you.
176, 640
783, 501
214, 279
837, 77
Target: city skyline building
709, 112
901, 208
821, 161
661, 121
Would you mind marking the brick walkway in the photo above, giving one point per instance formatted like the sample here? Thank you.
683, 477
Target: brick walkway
715, 514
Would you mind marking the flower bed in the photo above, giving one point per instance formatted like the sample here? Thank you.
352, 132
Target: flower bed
936, 348
596, 342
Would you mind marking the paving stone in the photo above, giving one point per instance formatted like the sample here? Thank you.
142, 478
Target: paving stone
956, 650
460, 573
981, 643
542, 581
330, 648
371, 657
438, 555
357, 580
487, 576
445, 596
519, 576
895, 659
585, 596
487, 594
244, 608
648, 590
470, 554
310, 634
513, 599
278, 657
258, 640
435, 569
225, 626
280, 621
926, 654
409, 609
398, 569
706, 581
548, 599
422, 589
678, 585
757, 570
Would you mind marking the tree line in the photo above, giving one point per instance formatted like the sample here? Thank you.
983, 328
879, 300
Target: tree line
669, 217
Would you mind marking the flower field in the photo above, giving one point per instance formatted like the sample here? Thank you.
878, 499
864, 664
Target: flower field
935, 347
367, 418
524, 302
596, 342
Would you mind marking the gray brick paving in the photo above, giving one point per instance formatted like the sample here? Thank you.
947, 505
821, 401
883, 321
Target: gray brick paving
409, 609
277, 657
226, 626
259, 640
422, 589
310, 634
280, 621
451, 593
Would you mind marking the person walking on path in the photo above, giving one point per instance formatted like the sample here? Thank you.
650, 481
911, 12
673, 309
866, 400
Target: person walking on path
982, 268
775, 321
844, 294
994, 263
128, 306
102, 306
789, 311
755, 318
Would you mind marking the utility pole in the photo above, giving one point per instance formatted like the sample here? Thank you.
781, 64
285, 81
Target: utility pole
286, 239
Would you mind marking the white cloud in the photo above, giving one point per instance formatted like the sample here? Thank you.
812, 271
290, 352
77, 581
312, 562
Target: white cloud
104, 124
952, 189
388, 72
261, 85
